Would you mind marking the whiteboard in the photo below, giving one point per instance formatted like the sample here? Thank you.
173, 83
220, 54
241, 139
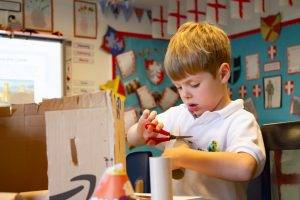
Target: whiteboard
32, 67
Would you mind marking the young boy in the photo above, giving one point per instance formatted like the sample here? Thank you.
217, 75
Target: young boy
227, 148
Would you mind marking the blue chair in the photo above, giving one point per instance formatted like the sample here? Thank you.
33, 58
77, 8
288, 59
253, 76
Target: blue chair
137, 166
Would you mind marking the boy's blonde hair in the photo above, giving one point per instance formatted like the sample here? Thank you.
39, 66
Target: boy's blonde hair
196, 47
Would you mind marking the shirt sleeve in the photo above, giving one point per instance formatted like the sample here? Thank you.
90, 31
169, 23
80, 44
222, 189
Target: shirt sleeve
245, 136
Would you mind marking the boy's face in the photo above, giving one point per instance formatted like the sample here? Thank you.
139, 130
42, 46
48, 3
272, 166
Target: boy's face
202, 92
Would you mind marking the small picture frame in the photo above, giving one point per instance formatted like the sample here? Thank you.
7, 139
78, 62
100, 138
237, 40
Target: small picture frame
272, 92
85, 19
38, 15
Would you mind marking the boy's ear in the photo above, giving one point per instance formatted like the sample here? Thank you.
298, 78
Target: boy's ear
224, 72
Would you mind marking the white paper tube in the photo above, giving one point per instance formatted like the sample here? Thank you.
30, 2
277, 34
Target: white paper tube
161, 178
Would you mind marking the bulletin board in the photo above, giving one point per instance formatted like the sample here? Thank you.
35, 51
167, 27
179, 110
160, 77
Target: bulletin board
144, 51
264, 62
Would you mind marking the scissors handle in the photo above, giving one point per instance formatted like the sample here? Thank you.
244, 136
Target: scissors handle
163, 132
158, 140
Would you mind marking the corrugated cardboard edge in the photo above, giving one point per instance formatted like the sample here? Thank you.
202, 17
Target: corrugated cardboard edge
119, 125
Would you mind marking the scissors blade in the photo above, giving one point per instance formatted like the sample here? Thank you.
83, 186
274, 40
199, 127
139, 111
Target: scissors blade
172, 137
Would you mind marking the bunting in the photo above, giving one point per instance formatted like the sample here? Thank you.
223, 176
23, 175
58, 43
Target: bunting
159, 22
139, 13
127, 13
177, 15
240, 9
216, 12
196, 10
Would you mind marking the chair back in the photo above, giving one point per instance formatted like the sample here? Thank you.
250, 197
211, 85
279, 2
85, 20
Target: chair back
138, 170
278, 137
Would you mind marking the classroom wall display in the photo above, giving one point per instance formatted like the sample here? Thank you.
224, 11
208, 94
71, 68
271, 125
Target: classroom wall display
147, 86
280, 60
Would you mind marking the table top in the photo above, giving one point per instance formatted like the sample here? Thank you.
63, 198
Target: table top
147, 196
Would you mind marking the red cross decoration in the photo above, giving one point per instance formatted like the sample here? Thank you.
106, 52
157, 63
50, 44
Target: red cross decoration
282, 178
159, 22
176, 16
259, 6
216, 12
289, 87
240, 9
242, 91
196, 10
256, 90
272, 51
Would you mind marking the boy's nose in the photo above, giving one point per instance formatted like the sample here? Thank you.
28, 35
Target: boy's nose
186, 94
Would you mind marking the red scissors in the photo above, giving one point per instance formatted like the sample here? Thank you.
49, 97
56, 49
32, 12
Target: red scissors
158, 140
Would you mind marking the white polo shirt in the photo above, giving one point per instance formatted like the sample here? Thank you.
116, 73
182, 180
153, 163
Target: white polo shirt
231, 129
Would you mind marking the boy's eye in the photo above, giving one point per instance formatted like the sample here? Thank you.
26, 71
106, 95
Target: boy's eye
178, 87
195, 85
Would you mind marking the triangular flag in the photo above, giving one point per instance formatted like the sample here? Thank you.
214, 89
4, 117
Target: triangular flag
149, 15
217, 11
176, 15
139, 13
196, 10
241, 9
127, 13
115, 10
103, 6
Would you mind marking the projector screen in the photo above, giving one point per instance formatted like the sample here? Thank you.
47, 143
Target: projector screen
30, 70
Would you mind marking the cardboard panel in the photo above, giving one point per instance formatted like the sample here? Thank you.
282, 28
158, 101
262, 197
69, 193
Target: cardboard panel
85, 134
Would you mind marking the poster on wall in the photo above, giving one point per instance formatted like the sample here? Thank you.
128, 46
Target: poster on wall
293, 58
272, 92
252, 67
85, 19
38, 15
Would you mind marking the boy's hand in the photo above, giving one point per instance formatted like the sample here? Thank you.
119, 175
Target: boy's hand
175, 154
148, 117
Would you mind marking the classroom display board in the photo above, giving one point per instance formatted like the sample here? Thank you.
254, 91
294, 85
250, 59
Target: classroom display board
267, 74
140, 68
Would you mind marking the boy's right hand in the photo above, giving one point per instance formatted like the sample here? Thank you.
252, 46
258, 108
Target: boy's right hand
148, 117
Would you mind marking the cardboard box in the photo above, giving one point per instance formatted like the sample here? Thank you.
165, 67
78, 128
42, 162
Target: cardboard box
23, 158
81, 137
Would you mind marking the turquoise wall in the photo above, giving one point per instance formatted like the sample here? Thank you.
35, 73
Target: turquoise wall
255, 44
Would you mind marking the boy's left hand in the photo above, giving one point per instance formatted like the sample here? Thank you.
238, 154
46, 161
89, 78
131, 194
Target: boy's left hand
175, 154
